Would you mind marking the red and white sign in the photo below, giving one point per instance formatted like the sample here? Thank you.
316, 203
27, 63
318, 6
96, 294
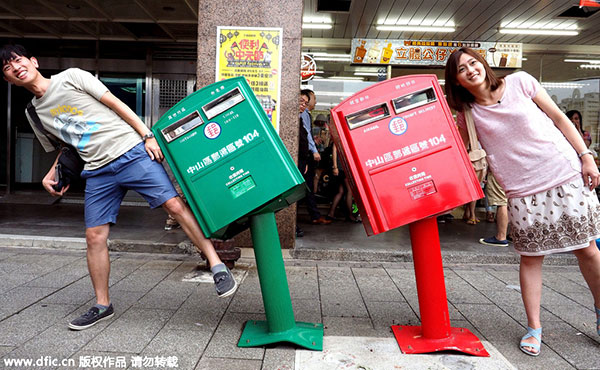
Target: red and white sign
422, 190
212, 130
308, 68
594, 3
398, 125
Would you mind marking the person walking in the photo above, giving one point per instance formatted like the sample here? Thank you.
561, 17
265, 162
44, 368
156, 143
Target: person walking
308, 155
544, 167
496, 197
341, 185
120, 154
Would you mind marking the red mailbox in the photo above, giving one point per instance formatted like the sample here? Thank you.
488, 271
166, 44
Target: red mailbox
406, 162
403, 153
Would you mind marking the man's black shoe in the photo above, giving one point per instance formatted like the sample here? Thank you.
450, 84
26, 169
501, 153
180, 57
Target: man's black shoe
91, 317
494, 242
225, 284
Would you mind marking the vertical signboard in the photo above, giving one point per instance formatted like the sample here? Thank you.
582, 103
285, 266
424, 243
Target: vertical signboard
254, 53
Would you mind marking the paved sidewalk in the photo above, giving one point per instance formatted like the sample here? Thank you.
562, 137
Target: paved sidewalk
32, 220
161, 318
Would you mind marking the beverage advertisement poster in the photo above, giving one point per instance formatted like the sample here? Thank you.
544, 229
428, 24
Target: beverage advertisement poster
254, 53
432, 53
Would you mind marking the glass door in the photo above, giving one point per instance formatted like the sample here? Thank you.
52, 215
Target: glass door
130, 90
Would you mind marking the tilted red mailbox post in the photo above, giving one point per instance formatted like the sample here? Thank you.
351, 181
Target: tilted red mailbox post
400, 146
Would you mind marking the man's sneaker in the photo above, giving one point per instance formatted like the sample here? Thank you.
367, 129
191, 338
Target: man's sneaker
91, 317
494, 242
225, 284
171, 223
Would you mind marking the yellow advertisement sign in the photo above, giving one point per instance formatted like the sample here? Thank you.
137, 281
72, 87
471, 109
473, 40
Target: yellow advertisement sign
254, 53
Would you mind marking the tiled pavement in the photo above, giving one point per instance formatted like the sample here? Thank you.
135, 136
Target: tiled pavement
159, 317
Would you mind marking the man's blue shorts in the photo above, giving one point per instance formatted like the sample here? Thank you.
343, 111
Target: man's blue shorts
106, 186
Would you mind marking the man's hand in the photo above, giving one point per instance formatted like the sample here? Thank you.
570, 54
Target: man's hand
50, 180
153, 149
316, 156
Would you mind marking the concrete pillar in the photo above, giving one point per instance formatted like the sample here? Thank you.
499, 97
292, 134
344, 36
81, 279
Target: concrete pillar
287, 15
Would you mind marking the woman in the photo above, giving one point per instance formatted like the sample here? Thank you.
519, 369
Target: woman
575, 117
547, 177
469, 215
341, 185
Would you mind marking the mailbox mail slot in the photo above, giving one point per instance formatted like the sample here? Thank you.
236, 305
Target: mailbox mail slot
227, 157
400, 146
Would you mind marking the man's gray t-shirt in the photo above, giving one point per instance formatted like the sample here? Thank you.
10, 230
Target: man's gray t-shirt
71, 111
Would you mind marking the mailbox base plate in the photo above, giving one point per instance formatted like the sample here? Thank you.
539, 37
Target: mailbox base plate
411, 341
305, 334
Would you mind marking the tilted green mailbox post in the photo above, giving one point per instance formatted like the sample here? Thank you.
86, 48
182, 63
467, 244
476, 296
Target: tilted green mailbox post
235, 172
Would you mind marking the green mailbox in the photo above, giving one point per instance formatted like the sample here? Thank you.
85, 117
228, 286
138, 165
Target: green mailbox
227, 157
236, 172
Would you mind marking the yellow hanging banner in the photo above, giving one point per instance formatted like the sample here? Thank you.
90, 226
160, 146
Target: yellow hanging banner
254, 53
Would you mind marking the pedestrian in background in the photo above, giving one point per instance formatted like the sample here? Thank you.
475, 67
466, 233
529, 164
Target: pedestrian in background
309, 156
575, 117
496, 198
544, 167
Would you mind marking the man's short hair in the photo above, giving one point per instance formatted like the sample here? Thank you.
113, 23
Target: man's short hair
9, 52
306, 92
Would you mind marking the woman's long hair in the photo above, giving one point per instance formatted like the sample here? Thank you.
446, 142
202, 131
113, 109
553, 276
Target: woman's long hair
457, 95
570, 115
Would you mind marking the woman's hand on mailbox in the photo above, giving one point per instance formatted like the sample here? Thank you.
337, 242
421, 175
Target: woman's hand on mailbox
153, 150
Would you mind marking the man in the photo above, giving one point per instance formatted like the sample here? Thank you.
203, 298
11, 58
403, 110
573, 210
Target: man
120, 154
303, 151
307, 159
496, 197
